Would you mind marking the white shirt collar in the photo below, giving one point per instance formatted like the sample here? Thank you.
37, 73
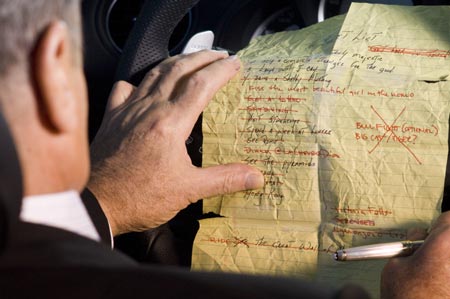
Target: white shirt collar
63, 210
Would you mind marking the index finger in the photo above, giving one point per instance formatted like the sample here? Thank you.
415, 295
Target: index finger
164, 77
196, 92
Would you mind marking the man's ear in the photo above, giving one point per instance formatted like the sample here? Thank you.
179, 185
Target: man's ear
53, 66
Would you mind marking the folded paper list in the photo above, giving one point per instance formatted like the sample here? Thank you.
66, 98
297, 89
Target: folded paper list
348, 120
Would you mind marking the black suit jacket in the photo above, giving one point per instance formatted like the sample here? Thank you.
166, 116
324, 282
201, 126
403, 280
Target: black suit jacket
45, 262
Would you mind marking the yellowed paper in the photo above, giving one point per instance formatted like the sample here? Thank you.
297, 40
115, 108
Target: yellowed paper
290, 248
349, 122
259, 246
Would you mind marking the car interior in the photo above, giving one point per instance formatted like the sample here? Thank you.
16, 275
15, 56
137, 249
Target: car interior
119, 37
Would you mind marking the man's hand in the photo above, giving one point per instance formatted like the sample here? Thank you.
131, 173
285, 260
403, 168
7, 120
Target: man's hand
425, 274
141, 172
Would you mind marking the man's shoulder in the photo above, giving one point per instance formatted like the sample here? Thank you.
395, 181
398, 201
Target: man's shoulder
34, 245
45, 262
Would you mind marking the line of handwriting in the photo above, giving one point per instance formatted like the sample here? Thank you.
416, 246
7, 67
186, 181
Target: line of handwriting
379, 92
322, 153
379, 211
267, 109
361, 35
287, 99
263, 242
391, 138
369, 234
364, 222
414, 52
404, 128
286, 131
275, 119
260, 197
293, 77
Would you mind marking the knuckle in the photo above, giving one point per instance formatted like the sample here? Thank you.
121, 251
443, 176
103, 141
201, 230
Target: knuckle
121, 84
153, 73
228, 184
178, 66
172, 68
198, 81
161, 128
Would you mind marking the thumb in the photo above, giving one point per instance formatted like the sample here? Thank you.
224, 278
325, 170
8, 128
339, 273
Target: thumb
120, 93
230, 178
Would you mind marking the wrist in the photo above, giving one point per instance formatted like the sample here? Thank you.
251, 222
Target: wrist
104, 201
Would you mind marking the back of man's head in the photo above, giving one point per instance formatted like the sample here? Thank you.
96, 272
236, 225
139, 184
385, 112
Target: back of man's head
43, 94
22, 23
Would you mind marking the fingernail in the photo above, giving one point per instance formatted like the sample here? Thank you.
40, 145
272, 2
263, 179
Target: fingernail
254, 181
233, 57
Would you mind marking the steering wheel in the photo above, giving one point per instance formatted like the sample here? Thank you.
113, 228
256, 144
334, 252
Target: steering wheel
148, 42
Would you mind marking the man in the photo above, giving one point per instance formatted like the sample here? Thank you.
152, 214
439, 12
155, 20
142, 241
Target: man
141, 173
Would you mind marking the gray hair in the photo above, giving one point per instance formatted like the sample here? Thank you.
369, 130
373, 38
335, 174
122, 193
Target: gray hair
23, 21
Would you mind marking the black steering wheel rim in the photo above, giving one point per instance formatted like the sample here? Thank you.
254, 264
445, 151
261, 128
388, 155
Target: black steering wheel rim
148, 42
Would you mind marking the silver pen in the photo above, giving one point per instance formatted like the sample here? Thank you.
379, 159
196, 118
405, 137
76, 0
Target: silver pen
377, 251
